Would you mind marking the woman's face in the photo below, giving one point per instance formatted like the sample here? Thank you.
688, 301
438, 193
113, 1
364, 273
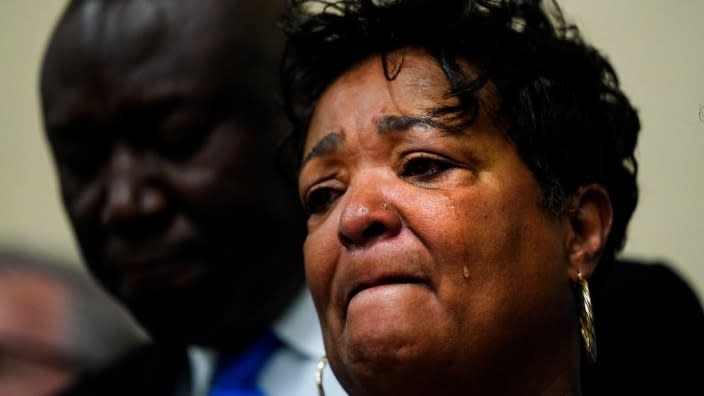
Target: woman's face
430, 258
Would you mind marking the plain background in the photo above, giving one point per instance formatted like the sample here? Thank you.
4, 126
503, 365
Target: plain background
655, 46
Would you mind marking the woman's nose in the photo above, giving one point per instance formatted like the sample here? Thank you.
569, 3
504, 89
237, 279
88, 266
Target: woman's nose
367, 217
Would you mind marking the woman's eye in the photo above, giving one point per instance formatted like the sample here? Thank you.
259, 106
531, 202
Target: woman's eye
425, 167
320, 199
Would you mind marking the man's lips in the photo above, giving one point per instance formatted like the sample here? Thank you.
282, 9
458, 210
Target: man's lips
123, 254
177, 262
175, 273
139, 261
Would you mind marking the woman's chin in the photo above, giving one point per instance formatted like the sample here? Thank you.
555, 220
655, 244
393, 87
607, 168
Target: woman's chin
390, 334
392, 326
380, 370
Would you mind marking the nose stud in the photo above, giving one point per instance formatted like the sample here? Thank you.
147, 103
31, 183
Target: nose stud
386, 206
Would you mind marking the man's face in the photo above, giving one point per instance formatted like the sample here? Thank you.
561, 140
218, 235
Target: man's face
162, 133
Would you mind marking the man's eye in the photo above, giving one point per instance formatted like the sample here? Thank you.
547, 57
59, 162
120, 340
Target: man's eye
320, 199
179, 143
181, 132
81, 152
424, 167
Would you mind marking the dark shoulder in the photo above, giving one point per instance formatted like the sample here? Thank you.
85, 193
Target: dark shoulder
640, 282
650, 331
647, 302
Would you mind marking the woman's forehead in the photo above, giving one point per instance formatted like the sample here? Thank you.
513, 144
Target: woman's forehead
417, 84
411, 86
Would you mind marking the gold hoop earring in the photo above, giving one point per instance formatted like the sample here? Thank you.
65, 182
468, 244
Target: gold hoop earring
319, 375
586, 319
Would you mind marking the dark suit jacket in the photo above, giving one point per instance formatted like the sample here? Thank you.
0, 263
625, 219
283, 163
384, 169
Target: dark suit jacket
649, 331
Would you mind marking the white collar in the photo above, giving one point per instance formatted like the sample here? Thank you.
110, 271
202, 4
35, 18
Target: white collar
202, 363
299, 328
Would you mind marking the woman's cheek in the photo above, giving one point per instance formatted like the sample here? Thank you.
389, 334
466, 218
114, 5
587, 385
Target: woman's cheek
319, 266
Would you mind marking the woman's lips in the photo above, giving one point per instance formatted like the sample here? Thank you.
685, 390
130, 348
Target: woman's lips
382, 267
380, 285
382, 282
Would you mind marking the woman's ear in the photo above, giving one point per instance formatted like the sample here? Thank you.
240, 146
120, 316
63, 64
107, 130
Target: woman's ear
590, 216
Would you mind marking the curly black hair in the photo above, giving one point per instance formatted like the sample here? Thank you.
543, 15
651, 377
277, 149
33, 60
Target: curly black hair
559, 97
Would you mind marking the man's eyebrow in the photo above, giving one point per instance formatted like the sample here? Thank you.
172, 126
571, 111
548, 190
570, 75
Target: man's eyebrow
324, 146
394, 123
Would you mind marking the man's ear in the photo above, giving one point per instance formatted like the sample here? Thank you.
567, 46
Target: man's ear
590, 216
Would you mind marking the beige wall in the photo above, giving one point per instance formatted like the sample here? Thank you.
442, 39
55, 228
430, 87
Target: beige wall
30, 213
658, 52
656, 47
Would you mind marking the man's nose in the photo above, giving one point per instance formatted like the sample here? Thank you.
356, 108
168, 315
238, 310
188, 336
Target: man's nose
132, 188
367, 216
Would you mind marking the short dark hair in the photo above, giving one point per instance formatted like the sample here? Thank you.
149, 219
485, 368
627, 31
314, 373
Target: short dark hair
558, 96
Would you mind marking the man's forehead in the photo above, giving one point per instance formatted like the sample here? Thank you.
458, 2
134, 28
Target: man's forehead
99, 29
108, 55
135, 17
197, 31
142, 40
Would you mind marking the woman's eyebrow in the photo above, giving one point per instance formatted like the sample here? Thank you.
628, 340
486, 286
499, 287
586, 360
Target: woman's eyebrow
324, 146
386, 124
395, 123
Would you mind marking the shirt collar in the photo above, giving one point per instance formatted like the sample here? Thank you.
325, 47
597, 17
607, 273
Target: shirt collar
299, 329
202, 363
